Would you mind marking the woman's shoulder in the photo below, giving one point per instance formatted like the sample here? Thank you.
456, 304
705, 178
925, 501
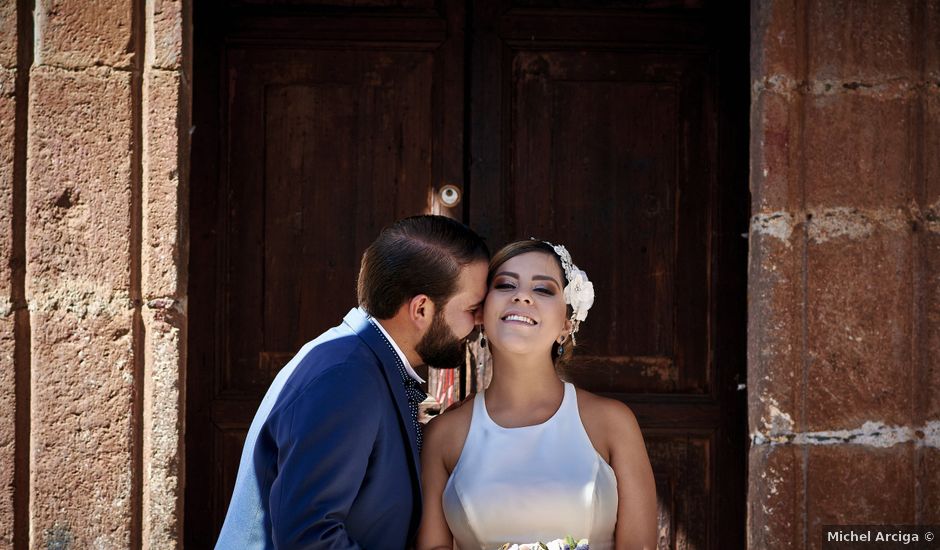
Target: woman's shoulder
453, 417
605, 415
447, 431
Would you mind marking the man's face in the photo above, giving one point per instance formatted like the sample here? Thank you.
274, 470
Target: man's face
442, 346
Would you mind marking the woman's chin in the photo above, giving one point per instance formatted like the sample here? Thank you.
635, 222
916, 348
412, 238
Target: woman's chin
518, 346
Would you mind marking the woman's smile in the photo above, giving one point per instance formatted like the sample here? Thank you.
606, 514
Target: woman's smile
517, 318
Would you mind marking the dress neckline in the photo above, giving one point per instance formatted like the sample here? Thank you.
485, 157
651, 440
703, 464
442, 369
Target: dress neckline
568, 389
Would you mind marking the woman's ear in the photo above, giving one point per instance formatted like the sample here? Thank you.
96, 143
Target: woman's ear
566, 332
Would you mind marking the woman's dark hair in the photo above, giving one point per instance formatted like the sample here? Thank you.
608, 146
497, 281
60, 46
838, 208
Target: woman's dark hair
518, 248
416, 255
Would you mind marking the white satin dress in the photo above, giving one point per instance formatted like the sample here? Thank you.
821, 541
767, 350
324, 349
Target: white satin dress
530, 484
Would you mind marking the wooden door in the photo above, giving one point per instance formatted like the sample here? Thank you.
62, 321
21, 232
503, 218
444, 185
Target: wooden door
619, 129
317, 123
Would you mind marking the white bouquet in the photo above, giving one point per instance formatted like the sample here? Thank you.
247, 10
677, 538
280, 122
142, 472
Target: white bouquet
567, 543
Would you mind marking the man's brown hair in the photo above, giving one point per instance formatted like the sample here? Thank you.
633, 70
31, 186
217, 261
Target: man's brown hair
416, 255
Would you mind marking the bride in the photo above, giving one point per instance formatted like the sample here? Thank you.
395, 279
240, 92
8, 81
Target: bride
532, 458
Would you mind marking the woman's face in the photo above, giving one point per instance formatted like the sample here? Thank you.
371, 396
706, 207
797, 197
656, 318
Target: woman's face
525, 310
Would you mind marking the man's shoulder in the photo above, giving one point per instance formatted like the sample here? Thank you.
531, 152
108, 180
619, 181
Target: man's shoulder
347, 359
340, 366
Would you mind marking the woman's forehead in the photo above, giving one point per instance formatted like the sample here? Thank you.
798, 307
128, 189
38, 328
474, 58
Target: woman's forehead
532, 263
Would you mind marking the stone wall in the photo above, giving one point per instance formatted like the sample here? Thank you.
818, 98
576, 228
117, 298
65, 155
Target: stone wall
844, 288
94, 127
844, 282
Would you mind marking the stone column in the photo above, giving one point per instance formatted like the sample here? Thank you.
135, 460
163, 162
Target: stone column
164, 259
12, 305
94, 141
844, 300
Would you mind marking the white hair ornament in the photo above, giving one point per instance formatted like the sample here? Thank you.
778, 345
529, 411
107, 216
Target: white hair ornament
579, 292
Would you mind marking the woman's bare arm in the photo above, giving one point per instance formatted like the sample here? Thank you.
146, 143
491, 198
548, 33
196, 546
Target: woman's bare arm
441, 435
636, 490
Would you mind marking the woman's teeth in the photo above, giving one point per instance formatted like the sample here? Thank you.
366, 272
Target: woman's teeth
519, 318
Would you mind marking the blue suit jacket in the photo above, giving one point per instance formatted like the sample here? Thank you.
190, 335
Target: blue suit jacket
331, 458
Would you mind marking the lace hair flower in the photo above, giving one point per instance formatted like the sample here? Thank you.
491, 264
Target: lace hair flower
579, 292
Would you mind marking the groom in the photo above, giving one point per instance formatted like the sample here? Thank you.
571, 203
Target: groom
331, 458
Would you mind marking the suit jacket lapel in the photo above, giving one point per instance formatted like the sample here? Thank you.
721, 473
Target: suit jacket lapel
359, 322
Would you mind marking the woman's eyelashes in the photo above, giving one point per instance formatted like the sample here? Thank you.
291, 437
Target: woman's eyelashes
506, 285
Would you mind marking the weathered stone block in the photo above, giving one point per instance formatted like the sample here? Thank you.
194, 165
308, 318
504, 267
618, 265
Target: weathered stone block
84, 33
775, 174
80, 176
861, 42
7, 428
8, 403
930, 44
857, 484
930, 380
165, 34
8, 35
82, 429
164, 201
859, 319
931, 155
164, 360
775, 325
929, 465
930, 237
775, 497
858, 151
7, 155
775, 42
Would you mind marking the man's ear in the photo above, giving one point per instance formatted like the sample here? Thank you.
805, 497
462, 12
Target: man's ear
421, 311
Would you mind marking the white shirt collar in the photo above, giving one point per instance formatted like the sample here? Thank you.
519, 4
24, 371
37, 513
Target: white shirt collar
404, 360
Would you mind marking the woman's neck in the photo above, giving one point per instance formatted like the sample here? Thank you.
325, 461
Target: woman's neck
523, 382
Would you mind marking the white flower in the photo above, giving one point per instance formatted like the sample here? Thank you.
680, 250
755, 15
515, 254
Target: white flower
579, 294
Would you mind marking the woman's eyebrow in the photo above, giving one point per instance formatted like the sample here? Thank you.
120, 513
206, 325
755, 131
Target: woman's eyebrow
545, 278
534, 277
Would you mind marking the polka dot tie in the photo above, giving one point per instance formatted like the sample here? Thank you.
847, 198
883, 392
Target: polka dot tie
415, 396
412, 388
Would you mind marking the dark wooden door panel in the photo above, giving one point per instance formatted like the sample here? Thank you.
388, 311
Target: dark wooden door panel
406, 4
606, 158
321, 122
322, 143
604, 126
681, 464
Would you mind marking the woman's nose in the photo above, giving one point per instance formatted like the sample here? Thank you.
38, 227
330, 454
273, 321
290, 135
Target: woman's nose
522, 297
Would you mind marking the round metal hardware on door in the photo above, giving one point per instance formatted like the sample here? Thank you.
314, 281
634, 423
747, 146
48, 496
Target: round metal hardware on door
450, 195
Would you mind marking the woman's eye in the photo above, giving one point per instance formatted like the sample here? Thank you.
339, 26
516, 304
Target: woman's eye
545, 291
503, 286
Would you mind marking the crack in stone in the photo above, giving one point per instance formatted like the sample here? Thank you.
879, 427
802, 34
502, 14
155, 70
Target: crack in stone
83, 302
870, 434
895, 88
845, 222
167, 303
6, 306
778, 225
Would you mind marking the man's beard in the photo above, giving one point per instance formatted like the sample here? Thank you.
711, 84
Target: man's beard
439, 347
